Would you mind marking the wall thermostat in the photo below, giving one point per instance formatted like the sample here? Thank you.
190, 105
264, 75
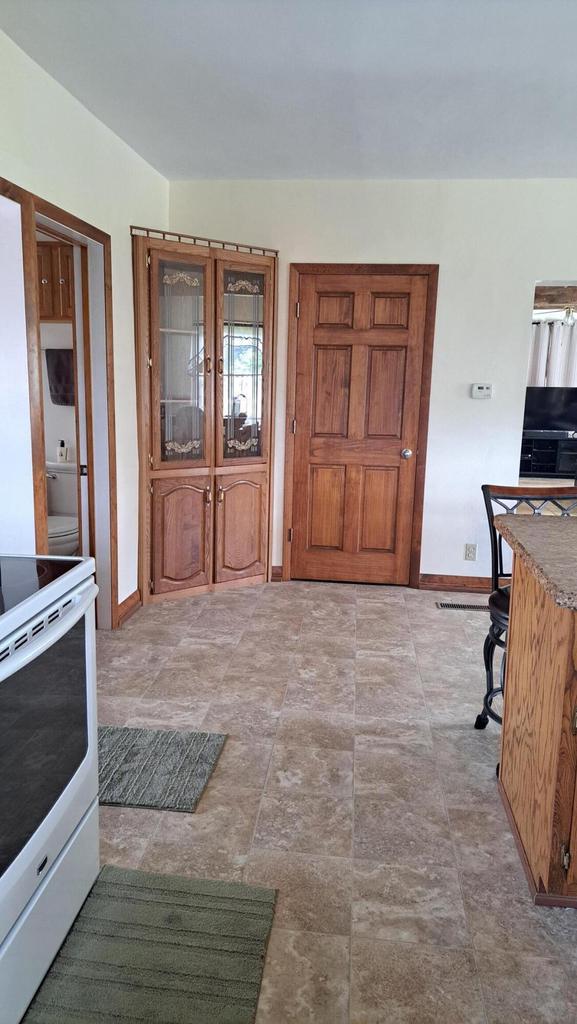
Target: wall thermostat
481, 390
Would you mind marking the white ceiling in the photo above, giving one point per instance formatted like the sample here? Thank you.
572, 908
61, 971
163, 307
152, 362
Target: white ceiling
320, 88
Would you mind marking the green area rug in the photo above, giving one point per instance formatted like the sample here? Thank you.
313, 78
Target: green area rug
154, 768
159, 948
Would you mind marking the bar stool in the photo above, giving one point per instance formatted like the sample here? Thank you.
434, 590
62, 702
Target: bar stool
534, 501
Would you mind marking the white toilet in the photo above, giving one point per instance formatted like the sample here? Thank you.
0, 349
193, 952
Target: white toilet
61, 480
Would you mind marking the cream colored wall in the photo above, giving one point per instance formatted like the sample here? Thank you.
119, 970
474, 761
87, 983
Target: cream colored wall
51, 145
492, 240
17, 504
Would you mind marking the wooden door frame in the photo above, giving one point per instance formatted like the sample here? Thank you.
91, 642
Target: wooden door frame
431, 272
32, 205
58, 236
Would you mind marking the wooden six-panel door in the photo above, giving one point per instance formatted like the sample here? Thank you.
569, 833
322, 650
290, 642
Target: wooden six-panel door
358, 386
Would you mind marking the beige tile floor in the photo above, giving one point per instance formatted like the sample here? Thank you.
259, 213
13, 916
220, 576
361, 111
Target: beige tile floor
352, 781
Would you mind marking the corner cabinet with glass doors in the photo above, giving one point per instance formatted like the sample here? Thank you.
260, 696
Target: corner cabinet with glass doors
204, 323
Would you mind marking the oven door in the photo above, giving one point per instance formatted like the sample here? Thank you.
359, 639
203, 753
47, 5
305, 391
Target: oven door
48, 759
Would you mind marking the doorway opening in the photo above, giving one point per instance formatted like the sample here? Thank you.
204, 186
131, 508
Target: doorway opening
549, 440
65, 494
66, 392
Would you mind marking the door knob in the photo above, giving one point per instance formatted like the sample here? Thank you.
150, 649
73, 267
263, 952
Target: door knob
406, 453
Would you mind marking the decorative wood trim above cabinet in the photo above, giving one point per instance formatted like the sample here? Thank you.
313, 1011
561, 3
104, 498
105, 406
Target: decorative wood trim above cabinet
159, 234
189, 540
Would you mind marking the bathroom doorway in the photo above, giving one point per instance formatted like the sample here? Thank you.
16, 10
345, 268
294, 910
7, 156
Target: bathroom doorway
75, 345
64, 320
58, 358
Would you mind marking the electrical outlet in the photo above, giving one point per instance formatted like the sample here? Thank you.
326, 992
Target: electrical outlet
481, 390
470, 552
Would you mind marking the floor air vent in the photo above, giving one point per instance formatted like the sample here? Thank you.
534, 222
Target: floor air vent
456, 607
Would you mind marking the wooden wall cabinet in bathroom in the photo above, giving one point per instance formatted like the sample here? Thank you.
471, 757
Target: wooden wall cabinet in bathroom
55, 281
205, 340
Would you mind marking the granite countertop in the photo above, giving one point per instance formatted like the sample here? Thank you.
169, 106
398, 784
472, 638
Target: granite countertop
548, 545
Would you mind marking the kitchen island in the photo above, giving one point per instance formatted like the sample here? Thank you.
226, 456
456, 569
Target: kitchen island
538, 768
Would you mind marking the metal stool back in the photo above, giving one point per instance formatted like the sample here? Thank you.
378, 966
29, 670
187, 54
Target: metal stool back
534, 501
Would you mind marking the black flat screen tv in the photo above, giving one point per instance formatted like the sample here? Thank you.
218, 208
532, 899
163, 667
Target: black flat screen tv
550, 409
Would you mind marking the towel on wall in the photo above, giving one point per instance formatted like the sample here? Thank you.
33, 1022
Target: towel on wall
60, 366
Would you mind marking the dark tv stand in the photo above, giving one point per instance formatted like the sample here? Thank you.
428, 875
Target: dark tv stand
549, 453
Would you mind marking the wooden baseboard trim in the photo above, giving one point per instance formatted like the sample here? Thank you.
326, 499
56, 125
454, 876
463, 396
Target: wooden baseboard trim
471, 584
127, 607
520, 848
540, 898
276, 574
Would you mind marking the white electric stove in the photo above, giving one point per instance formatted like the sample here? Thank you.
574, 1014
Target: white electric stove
48, 764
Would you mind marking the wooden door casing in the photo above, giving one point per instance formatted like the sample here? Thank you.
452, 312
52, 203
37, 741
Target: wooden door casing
181, 533
359, 363
240, 526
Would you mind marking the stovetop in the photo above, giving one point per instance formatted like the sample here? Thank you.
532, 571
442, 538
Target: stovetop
22, 576
29, 584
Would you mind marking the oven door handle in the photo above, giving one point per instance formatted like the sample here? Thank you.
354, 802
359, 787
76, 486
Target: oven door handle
49, 635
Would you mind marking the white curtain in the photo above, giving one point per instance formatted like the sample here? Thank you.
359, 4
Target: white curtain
538, 359
553, 360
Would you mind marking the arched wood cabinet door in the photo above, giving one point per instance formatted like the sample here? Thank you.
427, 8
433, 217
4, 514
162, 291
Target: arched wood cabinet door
181, 533
240, 526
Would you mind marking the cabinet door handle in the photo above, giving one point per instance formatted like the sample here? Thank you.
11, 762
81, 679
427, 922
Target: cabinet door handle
220, 365
208, 364
44, 280
208, 494
220, 495
62, 280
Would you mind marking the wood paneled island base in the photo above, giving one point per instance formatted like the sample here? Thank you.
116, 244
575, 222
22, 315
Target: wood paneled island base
538, 768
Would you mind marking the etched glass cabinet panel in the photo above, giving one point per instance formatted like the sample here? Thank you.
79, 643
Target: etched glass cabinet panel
241, 397
181, 352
